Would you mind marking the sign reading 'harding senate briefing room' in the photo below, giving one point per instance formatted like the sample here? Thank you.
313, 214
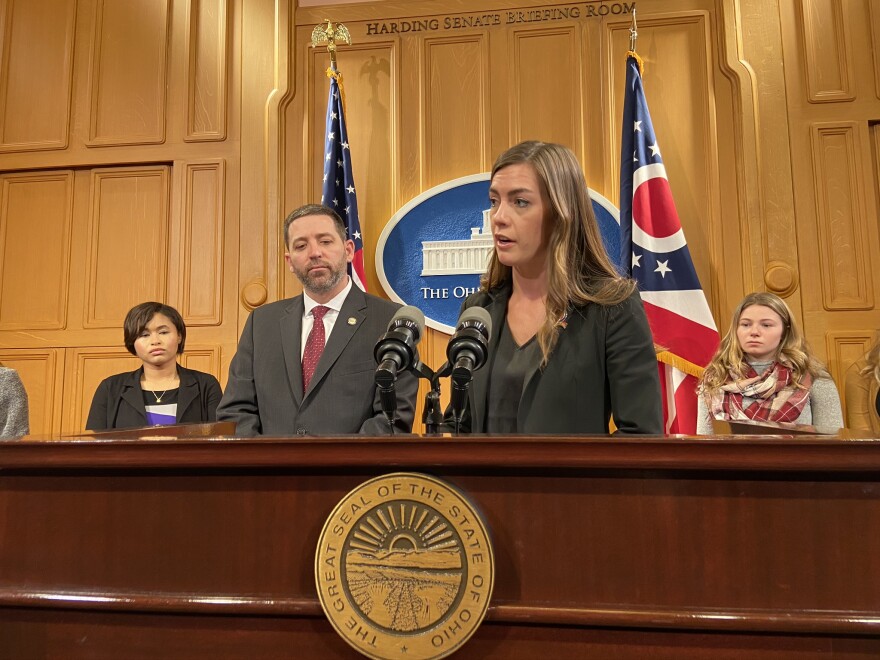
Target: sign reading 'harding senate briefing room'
597, 9
432, 252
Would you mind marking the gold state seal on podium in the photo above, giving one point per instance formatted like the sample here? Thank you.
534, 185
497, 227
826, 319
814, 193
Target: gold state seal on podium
404, 568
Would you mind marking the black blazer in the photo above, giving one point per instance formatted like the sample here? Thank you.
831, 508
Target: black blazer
603, 363
119, 401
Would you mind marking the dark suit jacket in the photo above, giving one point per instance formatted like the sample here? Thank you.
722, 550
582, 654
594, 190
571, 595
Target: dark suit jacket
264, 393
604, 362
119, 402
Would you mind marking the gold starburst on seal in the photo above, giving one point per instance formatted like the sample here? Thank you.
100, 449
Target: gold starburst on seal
404, 568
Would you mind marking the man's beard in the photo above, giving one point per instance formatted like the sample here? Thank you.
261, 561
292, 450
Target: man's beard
321, 284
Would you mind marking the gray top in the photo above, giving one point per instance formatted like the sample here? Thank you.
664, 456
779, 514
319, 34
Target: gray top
13, 405
509, 369
821, 410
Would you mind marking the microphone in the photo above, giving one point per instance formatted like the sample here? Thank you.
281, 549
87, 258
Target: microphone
396, 351
467, 351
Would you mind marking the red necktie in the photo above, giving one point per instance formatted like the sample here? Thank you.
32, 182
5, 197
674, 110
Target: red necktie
314, 345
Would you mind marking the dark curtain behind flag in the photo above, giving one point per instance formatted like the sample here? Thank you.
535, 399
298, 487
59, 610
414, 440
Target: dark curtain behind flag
338, 190
655, 253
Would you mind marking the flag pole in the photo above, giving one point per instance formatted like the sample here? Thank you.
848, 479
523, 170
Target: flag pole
633, 31
633, 38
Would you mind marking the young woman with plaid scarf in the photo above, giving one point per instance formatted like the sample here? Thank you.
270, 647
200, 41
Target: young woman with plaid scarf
764, 371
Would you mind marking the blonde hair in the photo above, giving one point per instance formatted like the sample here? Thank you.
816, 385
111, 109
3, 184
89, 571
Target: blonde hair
872, 359
729, 361
579, 268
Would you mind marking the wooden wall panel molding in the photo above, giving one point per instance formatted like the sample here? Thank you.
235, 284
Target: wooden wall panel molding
202, 357
36, 215
845, 347
36, 67
537, 96
455, 107
764, 213
127, 255
84, 370
874, 23
201, 242
266, 35
827, 57
41, 374
127, 79
206, 74
844, 259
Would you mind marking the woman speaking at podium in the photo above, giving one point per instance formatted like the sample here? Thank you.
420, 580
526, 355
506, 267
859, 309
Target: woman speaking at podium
160, 392
570, 344
764, 371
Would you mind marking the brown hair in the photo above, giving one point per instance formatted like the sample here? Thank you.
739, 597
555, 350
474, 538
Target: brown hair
314, 209
579, 268
729, 361
139, 316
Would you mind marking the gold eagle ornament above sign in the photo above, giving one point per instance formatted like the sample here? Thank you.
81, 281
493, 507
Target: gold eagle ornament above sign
405, 568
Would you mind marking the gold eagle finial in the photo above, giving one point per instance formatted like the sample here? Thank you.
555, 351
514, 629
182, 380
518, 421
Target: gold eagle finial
330, 33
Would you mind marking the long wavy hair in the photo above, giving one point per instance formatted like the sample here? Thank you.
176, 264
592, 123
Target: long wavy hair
579, 268
872, 359
730, 362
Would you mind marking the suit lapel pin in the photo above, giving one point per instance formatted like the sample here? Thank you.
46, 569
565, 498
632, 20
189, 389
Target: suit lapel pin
352, 320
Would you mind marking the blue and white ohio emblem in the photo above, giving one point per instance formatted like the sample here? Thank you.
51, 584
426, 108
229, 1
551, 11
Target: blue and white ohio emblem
432, 252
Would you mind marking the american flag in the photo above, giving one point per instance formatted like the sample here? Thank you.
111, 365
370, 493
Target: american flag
654, 251
338, 191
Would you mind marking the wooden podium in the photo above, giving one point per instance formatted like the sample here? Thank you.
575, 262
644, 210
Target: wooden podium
717, 548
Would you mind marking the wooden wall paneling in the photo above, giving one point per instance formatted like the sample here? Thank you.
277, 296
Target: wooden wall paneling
36, 214
258, 256
874, 26
199, 237
844, 348
127, 255
201, 357
127, 79
207, 63
839, 162
409, 135
370, 78
827, 56
763, 210
455, 106
84, 369
544, 106
41, 374
679, 82
36, 67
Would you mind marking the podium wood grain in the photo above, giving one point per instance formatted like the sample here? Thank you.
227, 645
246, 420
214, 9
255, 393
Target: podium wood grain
605, 548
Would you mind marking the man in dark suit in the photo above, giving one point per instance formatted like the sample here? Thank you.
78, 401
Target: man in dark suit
305, 365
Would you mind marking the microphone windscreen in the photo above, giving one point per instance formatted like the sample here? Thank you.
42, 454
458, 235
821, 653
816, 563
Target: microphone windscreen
412, 315
478, 314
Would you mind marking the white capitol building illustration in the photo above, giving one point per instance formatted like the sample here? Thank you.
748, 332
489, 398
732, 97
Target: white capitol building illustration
459, 257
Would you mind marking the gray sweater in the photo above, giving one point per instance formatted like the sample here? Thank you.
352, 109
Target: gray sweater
822, 409
13, 405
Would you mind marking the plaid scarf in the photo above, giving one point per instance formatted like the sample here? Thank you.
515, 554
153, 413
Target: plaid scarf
777, 398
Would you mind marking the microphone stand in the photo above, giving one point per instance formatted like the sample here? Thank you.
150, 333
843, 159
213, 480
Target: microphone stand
432, 415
